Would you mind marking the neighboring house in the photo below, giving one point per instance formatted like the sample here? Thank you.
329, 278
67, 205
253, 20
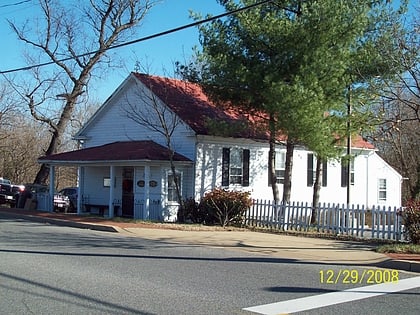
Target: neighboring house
124, 161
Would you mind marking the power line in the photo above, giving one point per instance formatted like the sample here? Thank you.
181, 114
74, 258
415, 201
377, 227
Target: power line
173, 30
14, 4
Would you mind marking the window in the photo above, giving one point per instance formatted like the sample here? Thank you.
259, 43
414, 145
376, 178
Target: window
280, 163
279, 167
172, 195
235, 167
311, 171
107, 182
344, 172
382, 189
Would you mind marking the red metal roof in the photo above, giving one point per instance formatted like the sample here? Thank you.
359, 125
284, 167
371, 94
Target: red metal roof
117, 151
190, 103
359, 142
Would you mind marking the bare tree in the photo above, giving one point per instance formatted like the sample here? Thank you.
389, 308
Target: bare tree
398, 139
75, 38
398, 134
148, 111
7, 110
20, 147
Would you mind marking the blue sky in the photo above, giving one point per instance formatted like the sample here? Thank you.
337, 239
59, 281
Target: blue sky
157, 55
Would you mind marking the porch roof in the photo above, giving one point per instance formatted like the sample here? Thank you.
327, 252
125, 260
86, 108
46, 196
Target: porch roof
121, 151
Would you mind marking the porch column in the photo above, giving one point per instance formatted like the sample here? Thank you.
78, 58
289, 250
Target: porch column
146, 192
50, 203
111, 191
80, 184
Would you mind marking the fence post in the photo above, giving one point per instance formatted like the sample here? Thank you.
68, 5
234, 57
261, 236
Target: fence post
374, 220
363, 220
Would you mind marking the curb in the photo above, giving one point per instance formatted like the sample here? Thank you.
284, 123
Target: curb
79, 225
403, 265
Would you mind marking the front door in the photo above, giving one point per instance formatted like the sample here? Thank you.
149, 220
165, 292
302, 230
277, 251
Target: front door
127, 192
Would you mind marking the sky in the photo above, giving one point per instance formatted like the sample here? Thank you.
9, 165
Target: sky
156, 55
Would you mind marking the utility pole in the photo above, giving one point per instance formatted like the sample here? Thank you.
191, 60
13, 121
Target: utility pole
348, 144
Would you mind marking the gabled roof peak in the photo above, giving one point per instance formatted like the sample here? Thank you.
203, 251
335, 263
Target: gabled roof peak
192, 105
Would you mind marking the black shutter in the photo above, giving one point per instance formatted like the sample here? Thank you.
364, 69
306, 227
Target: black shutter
324, 173
310, 171
245, 168
344, 176
268, 169
225, 166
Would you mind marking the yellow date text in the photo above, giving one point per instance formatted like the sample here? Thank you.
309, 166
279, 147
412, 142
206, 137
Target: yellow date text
354, 276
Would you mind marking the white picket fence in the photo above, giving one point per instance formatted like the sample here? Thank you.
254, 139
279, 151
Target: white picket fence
338, 219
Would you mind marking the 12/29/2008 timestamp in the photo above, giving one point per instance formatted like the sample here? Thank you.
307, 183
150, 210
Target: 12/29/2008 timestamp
354, 276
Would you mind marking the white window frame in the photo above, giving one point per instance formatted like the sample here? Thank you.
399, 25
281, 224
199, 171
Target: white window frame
236, 169
171, 191
382, 190
280, 166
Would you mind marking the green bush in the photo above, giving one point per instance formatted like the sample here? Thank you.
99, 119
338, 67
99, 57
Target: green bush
224, 207
411, 221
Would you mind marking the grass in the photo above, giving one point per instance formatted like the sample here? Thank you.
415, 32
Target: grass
399, 248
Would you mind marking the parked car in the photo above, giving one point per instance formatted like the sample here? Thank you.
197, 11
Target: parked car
61, 202
71, 193
6, 195
16, 192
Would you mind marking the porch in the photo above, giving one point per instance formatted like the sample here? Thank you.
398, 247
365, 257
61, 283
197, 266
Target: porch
131, 179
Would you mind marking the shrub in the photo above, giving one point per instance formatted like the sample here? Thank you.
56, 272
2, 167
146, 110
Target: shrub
411, 221
190, 212
224, 207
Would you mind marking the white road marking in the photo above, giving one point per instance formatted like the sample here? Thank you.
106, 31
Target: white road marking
327, 299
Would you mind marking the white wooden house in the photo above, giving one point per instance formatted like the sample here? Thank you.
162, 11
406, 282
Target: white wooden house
124, 167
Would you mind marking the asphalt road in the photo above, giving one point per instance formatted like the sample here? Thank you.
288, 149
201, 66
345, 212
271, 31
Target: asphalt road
46, 269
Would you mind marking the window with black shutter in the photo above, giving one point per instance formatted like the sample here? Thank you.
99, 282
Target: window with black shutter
245, 168
235, 167
225, 166
310, 170
344, 172
324, 173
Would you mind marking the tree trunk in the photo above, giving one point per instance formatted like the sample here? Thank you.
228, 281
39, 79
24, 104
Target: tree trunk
287, 186
59, 129
317, 189
272, 162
